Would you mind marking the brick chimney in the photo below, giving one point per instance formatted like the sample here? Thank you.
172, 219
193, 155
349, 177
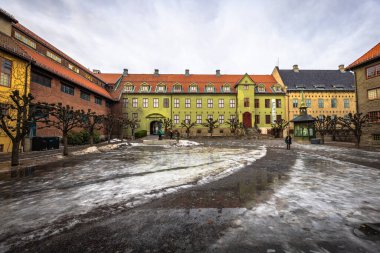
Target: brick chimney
96, 71
217, 72
187, 72
125, 72
341, 68
295, 68
156, 72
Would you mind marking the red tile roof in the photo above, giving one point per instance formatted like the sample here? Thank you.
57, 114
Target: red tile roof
201, 80
373, 53
34, 36
9, 44
7, 15
56, 68
109, 78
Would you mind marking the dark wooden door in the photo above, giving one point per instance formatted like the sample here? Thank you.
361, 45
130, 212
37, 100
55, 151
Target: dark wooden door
247, 120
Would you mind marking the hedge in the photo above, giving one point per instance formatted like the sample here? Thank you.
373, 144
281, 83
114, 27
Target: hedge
141, 133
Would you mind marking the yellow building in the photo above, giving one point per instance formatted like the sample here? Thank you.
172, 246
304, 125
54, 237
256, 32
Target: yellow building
14, 71
326, 92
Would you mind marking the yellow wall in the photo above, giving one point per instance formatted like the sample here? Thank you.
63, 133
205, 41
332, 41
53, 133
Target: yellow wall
17, 83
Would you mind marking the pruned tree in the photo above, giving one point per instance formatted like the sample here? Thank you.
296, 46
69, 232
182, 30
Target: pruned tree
168, 123
109, 121
63, 118
234, 125
16, 120
211, 125
123, 124
188, 125
133, 124
91, 123
278, 127
324, 125
355, 123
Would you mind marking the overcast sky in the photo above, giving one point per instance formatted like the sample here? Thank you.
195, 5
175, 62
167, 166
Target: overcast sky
233, 36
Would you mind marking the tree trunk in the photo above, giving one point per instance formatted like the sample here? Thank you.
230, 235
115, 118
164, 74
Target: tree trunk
109, 138
323, 138
65, 147
15, 153
91, 139
121, 134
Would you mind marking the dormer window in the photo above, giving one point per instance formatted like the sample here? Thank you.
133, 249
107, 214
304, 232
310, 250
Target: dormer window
128, 88
161, 87
73, 68
144, 87
210, 88
261, 88
25, 40
319, 87
277, 88
177, 88
193, 88
53, 56
226, 88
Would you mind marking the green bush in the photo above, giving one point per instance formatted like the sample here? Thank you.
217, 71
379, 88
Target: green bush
81, 138
141, 133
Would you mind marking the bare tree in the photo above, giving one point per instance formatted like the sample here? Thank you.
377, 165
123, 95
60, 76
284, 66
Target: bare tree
133, 124
16, 121
234, 125
168, 123
355, 123
324, 125
63, 118
109, 122
92, 122
123, 123
278, 127
211, 125
188, 125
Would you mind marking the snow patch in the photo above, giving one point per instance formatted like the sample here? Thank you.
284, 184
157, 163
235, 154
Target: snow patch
186, 143
89, 150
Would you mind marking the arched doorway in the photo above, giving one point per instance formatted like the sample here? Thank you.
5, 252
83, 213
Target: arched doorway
247, 120
155, 126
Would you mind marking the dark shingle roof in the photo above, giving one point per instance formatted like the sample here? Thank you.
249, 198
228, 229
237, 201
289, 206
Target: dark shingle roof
317, 80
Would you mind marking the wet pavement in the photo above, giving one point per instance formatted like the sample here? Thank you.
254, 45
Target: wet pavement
222, 196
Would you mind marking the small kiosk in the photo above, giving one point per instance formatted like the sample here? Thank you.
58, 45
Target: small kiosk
304, 129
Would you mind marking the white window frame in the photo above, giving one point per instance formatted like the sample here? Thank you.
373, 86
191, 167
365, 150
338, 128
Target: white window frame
155, 102
135, 102
199, 103
232, 103
145, 103
176, 119
221, 103
199, 119
210, 103
187, 103
221, 119
176, 103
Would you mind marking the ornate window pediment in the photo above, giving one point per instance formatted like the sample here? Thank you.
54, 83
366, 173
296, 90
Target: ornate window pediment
210, 87
177, 87
261, 88
144, 87
277, 88
161, 87
226, 88
128, 87
193, 87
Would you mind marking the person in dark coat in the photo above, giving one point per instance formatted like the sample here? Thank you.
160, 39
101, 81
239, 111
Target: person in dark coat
288, 141
171, 134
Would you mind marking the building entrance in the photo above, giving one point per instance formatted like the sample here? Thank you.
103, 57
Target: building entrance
247, 120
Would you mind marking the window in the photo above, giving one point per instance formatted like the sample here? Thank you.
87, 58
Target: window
221, 119
257, 103
144, 88
89, 77
346, 103
376, 137
193, 88
108, 104
53, 56
210, 88
374, 94
135, 116
320, 103
221, 103
199, 119
166, 102
232, 117
333, 103
176, 119
67, 89
373, 71
210, 103
187, 119
257, 119
267, 103
145, 103
73, 68
3, 109
226, 88
161, 88
98, 100
134, 102
278, 103
232, 103
246, 102
374, 116
295, 102
85, 95
267, 119
125, 115
177, 88
40, 79
246, 86
187, 102
176, 103
210, 116
128, 88
125, 102
261, 88
277, 88
199, 103
308, 102
155, 102
278, 118
6, 68
25, 40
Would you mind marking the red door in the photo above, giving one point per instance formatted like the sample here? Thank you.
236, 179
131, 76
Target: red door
247, 120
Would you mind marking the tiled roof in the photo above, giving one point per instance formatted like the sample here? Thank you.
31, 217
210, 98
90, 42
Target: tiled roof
56, 68
8, 16
201, 80
317, 80
372, 54
51, 47
9, 44
109, 78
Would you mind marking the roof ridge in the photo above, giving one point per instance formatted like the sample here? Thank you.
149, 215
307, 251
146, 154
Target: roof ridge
362, 59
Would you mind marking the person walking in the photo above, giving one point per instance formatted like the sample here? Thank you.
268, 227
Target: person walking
288, 141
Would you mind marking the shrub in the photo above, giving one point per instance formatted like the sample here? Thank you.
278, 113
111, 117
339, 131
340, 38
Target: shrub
81, 138
141, 133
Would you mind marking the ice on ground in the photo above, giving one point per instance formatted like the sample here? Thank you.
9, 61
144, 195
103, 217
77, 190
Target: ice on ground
115, 140
89, 150
186, 143
31, 206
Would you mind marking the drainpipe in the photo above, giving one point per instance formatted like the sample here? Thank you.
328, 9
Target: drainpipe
25, 94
